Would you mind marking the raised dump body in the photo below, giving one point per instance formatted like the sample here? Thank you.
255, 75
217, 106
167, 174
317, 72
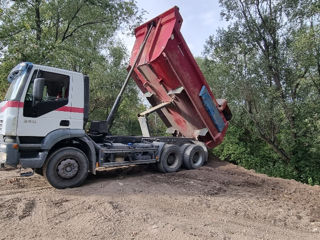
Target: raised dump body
170, 78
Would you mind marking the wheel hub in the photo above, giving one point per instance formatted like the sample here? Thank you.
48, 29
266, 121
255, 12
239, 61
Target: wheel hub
68, 168
171, 159
196, 158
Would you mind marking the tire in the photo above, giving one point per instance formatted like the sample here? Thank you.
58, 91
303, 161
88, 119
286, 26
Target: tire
171, 159
182, 150
184, 147
194, 157
206, 153
66, 168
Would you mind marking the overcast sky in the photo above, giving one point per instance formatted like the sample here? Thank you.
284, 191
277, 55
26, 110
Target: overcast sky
201, 18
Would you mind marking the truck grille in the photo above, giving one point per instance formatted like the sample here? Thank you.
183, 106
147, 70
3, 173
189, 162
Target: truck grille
1, 122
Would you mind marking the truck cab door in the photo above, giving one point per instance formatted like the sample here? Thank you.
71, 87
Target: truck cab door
48, 110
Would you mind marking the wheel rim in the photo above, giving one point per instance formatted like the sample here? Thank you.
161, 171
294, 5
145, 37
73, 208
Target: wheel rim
196, 159
68, 168
172, 160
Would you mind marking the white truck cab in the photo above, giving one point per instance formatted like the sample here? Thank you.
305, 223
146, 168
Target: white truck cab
39, 101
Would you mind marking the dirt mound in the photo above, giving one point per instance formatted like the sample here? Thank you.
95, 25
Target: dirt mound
217, 201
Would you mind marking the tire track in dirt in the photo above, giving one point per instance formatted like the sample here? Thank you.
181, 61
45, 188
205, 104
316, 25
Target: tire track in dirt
217, 201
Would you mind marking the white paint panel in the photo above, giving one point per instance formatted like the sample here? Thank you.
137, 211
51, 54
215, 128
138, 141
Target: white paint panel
49, 122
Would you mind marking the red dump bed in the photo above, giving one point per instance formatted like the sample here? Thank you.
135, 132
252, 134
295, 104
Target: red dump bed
167, 72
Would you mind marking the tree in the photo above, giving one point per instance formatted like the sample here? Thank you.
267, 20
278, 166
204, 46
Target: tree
257, 62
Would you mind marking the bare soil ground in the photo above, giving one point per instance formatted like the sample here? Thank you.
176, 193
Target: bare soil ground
217, 201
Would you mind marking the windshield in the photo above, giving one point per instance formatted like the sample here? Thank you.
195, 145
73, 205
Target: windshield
14, 87
17, 77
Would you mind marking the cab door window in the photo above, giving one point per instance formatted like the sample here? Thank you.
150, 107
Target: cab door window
55, 94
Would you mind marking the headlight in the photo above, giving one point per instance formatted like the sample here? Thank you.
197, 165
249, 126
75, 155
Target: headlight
3, 157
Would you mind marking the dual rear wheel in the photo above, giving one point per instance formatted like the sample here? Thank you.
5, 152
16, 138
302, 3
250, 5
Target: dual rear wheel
191, 156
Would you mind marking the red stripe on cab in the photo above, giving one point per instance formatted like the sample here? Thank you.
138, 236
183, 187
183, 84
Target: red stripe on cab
12, 104
70, 109
17, 104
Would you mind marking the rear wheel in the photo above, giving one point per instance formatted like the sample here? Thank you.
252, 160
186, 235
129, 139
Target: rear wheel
66, 168
184, 147
194, 157
171, 159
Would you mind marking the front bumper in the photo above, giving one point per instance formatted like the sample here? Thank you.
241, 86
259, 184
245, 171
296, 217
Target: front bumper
8, 155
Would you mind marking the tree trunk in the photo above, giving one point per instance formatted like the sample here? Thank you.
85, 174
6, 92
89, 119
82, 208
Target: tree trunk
38, 20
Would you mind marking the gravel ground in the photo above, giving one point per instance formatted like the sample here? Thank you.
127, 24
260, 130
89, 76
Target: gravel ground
217, 201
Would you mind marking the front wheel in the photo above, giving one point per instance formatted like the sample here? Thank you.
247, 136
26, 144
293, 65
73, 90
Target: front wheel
66, 168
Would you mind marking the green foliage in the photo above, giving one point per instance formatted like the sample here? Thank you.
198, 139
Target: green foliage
156, 126
256, 155
269, 70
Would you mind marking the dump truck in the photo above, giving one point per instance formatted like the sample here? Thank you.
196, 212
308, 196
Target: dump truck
46, 109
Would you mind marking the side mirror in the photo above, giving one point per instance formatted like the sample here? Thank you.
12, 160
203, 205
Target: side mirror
37, 91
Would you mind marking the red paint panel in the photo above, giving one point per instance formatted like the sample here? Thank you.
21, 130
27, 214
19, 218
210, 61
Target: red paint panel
166, 64
70, 109
12, 104
17, 104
